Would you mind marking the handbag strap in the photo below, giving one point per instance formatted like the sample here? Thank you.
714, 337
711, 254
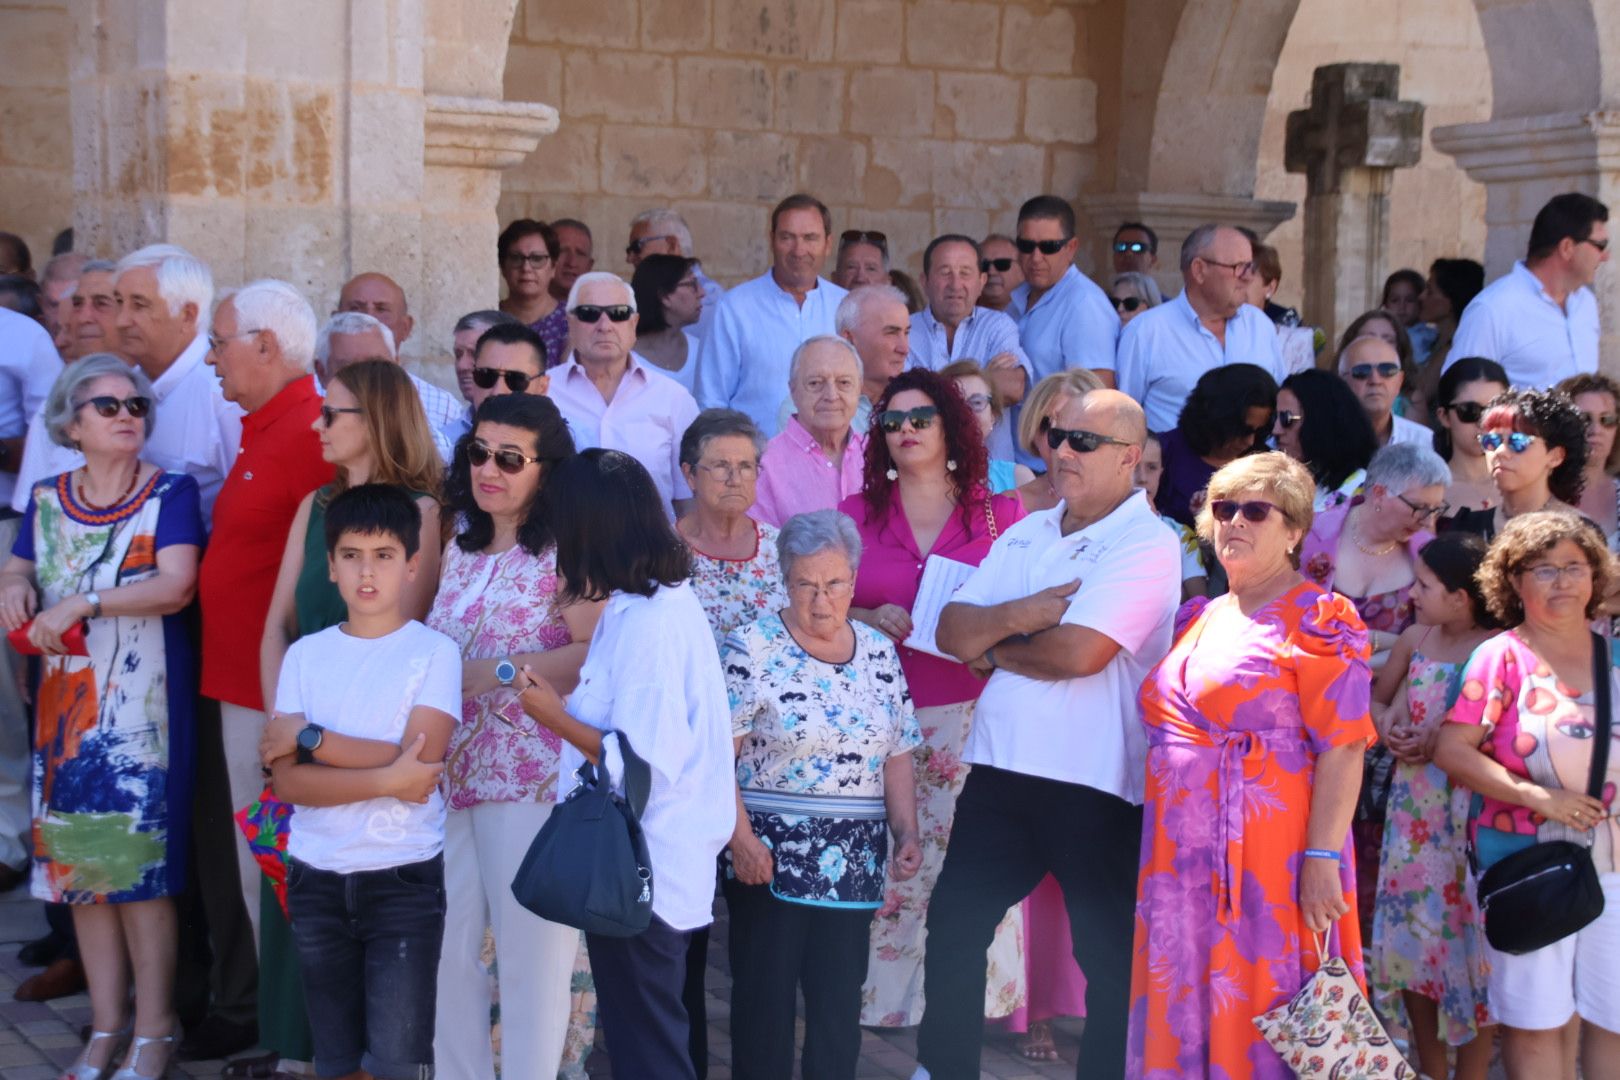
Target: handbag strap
1602, 690
637, 775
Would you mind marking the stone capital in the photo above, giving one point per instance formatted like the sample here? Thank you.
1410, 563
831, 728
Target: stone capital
483, 133
1528, 148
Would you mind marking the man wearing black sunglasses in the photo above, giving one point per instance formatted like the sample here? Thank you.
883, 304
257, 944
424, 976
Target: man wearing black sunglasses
1136, 249
1372, 368
1069, 611
509, 359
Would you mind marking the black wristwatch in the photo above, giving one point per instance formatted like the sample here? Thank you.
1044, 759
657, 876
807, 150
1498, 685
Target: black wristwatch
309, 741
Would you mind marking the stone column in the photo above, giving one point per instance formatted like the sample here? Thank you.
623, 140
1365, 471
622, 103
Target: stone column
1348, 144
1172, 217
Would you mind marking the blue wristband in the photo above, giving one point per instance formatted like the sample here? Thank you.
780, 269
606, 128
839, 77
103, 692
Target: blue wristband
1323, 853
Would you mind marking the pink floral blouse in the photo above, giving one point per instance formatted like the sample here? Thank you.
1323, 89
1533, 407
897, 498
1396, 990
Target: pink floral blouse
493, 606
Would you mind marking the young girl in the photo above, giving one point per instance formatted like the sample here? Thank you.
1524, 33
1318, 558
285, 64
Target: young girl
1149, 475
1428, 967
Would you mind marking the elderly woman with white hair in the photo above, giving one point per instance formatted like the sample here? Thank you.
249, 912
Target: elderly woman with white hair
815, 462
103, 565
824, 730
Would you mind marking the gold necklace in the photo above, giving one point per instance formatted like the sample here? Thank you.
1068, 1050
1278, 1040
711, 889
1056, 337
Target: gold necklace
1355, 538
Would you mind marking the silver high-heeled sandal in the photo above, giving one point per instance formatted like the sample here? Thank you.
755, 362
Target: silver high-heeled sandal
132, 1070
82, 1069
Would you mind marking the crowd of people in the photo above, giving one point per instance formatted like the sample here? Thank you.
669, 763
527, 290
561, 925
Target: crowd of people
996, 646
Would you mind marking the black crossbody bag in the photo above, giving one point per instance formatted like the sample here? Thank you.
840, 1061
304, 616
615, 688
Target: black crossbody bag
1548, 891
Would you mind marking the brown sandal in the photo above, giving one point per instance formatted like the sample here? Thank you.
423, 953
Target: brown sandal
1037, 1044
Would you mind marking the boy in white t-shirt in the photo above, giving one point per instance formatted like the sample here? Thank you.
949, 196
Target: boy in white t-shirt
364, 712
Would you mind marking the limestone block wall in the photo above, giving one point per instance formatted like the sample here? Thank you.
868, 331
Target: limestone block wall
910, 116
36, 125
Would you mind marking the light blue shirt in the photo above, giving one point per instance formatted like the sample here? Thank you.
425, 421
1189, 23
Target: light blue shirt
1514, 322
1164, 351
1073, 324
712, 292
982, 336
746, 353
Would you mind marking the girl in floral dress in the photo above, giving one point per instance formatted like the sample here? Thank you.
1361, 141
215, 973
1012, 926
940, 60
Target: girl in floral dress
1429, 970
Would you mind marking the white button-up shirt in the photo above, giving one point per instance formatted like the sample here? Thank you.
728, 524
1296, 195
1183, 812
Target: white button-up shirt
646, 419
1514, 322
1086, 730
1409, 431
746, 353
982, 336
446, 415
1165, 350
29, 365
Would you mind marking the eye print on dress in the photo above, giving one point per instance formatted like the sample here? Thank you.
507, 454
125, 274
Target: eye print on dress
1575, 728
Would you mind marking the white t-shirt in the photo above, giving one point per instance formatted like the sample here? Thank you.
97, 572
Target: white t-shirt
367, 687
1086, 730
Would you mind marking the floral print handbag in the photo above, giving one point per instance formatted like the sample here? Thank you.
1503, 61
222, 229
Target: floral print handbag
1329, 1030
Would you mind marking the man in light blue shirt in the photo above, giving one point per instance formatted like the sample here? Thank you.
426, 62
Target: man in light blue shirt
1164, 350
746, 353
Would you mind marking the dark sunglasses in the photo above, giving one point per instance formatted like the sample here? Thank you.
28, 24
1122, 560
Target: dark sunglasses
1518, 441
633, 248
1126, 303
1286, 419
921, 417
330, 413
864, 236
510, 462
1608, 420
1385, 370
108, 406
1135, 247
485, 378
1081, 442
1468, 412
589, 313
1000, 266
534, 259
1254, 511
1045, 247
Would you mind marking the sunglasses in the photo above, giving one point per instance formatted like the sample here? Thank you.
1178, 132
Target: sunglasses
864, 236
921, 417
1254, 511
108, 406
330, 413
1517, 440
1134, 247
1000, 266
1385, 370
1469, 412
1126, 303
1608, 420
510, 462
1601, 245
534, 260
1081, 442
1286, 419
633, 248
485, 378
589, 313
1045, 247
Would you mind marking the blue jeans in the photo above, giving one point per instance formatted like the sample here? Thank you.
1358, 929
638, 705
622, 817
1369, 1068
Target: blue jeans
368, 946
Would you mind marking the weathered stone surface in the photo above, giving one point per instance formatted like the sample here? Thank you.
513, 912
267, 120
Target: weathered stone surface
723, 93
981, 175
651, 162
978, 106
1037, 44
834, 169
870, 31
607, 23
751, 165
785, 28
623, 87
563, 162
901, 173
810, 100
1060, 110
952, 34
675, 25
534, 73
891, 101
729, 236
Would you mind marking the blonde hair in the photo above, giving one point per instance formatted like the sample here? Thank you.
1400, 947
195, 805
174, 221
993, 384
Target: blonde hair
1284, 480
971, 369
1075, 382
397, 428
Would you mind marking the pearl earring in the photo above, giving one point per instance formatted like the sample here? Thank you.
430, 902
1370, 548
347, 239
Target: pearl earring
893, 474
950, 465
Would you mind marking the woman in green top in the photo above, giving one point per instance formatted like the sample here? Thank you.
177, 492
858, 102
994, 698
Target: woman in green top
373, 429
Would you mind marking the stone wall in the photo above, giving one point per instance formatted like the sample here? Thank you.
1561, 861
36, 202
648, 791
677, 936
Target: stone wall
910, 116
36, 129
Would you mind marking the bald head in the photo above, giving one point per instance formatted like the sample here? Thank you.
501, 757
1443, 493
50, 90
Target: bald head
1367, 350
378, 296
1093, 482
1115, 414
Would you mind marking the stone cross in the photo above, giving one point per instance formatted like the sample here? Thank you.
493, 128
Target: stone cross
1348, 144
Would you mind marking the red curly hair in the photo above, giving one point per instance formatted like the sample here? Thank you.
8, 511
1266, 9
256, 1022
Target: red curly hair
963, 444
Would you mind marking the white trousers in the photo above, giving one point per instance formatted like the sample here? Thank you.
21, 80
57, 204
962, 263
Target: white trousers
241, 728
483, 846
16, 752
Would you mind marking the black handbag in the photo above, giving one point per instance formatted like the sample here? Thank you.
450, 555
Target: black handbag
1548, 891
588, 864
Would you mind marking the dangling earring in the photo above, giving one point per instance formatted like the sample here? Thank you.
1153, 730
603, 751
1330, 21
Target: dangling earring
893, 473
950, 465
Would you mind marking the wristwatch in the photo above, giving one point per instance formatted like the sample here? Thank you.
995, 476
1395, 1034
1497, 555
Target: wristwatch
506, 672
309, 741
94, 600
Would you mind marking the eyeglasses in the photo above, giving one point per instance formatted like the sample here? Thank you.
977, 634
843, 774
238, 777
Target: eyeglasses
1126, 303
1607, 420
920, 417
1469, 412
688, 283
864, 236
108, 406
1254, 511
1286, 419
589, 313
534, 260
1546, 574
485, 378
510, 462
1422, 512
1240, 270
726, 470
633, 248
1134, 247
979, 402
1386, 370
1000, 266
1045, 247
1518, 440
832, 590
1081, 442
217, 342
1601, 245
330, 413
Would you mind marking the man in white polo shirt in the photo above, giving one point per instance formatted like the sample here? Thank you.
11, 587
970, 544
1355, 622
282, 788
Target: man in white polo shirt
1070, 610
1540, 319
1164, 350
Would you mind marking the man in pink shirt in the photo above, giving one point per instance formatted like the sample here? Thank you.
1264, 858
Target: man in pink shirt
816, 460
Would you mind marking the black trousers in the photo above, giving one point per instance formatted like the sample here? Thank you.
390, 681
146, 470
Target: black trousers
778, 948
638, 998
1010, 831
693, 996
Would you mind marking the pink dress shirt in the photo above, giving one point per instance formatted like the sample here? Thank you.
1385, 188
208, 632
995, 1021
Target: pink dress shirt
795, 477
891, 570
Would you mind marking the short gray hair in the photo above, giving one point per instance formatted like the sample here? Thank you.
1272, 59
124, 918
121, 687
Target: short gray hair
98, 266
67, 393
715, 424
1197, 244
182, 278
1401, 466
596, 276
1145, 288
815, 532
483, 320
665, 218
347, 323
268, 304
823, 339
853, 306
67, 267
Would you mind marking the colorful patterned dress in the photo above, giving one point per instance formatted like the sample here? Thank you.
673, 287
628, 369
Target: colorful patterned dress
1426, 937
735, 592
115, 732
1235, 720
